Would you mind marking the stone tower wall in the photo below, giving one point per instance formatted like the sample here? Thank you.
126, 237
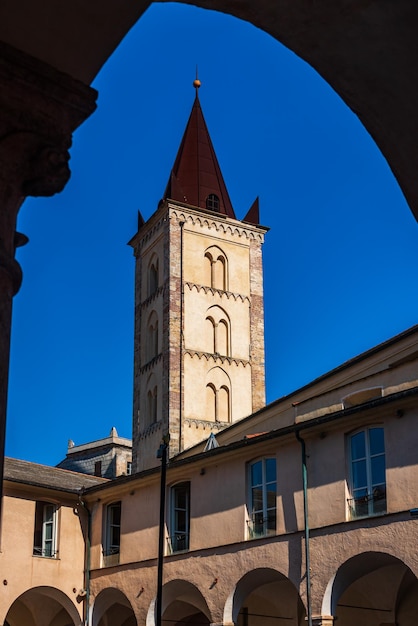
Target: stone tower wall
150, 247
257, 325
208, 366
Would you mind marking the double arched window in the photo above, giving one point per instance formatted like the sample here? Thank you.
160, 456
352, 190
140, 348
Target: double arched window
216, 270
218, 331
218, 400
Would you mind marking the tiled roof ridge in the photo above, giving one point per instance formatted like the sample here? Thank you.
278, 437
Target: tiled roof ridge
51, 467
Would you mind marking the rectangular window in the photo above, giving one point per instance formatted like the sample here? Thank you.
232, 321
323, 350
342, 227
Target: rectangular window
262, 498
45, 534
367, 473
111, 546
180, 517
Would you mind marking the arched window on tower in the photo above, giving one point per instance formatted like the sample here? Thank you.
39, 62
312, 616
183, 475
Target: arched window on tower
149, 412
152, 285
218, 396
151, 406
222, 338
152, 338
210, 340
223, 404
208, 260
210, 413
216, 270
212, 202
217, 331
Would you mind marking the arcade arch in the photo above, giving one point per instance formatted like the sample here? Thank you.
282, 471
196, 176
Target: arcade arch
182, 603
371, 589
264, 597
112, 608
43, 606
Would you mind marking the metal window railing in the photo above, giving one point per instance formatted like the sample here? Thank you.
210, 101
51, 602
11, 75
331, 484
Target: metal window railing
178, 542
261, 526
369, 504
111, 550
47, 552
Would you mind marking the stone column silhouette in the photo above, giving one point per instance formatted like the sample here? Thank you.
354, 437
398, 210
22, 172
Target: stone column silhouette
39, 109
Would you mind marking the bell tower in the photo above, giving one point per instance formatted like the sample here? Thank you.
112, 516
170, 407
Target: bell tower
199, 316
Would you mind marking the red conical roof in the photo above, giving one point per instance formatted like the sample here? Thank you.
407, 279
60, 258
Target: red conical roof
196, 175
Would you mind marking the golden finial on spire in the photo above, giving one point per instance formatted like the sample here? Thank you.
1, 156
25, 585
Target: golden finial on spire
196, 82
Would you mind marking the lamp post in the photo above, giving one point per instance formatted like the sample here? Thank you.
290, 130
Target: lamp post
306, 524
161, 454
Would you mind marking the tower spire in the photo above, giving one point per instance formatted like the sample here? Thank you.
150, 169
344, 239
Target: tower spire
196, 177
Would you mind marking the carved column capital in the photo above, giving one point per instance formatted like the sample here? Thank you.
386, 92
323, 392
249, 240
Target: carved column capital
32, 164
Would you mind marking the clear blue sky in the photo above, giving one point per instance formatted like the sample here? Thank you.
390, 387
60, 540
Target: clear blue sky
340, 260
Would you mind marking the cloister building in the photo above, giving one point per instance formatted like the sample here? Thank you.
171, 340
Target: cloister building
301, 511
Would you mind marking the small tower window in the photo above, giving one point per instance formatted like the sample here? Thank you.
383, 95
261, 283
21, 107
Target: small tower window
151, 346
212, 202
152, 406
152, 282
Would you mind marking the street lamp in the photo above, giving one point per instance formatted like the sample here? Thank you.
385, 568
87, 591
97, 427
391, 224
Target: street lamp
161, 454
